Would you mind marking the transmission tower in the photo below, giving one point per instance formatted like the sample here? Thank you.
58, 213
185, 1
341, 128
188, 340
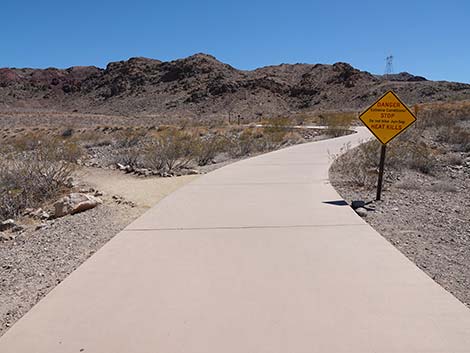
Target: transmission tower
389, 65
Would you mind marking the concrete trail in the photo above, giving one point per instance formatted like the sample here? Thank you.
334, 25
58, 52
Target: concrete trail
248, 259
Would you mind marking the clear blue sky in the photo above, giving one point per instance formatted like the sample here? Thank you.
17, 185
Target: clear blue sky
428, 38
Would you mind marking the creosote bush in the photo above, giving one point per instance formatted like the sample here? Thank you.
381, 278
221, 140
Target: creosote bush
29, 177
206, 148
169, 151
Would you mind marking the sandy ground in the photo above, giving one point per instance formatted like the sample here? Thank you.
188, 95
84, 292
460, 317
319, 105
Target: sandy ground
38, 259
144, 192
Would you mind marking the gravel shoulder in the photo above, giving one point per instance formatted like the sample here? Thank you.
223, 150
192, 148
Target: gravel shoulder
38, 259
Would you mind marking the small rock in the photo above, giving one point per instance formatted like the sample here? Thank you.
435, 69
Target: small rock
17, 228
6, 237
28, 211
361, 211
41, 226
40, 213
8, 224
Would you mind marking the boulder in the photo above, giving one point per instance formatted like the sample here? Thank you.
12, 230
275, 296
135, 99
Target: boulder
75, 203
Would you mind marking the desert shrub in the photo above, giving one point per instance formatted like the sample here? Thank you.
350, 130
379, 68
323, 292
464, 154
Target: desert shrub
129, 156
128, 146
456, 136
446, 114
169, 151
29, 178
250, 141
408, 184
337, 124
46, 147
443, 186
275, 132
206, 148
305, 119
242, 144
435, 118
358, 166
453, 159
410, 154
293, 138
92, 138
129, 138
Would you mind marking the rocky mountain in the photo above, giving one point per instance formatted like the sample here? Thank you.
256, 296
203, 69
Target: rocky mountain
202, 86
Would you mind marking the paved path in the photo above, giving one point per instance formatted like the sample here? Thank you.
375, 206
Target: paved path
248, 259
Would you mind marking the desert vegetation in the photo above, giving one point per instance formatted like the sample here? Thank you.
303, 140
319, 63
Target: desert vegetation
175, 150
39, 163
440, 136
34, 170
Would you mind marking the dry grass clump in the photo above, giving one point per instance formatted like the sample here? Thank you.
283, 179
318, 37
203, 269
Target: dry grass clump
35, 172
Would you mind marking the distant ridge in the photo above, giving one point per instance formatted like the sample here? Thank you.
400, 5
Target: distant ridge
202, 86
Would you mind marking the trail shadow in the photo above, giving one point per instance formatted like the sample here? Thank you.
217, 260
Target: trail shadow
336, 203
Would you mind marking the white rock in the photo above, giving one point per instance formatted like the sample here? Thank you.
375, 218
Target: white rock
361, 211
75, 203
8, 224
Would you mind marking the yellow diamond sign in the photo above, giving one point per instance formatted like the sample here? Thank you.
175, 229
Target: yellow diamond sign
387, 117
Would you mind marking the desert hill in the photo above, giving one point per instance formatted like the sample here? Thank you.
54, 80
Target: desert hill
202, 86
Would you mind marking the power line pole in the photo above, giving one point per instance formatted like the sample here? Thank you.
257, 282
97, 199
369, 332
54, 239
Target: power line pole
389, 65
